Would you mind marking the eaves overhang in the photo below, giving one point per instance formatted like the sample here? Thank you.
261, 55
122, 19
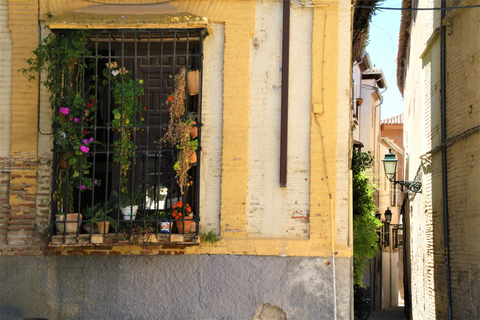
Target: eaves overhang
164, 15
377, 75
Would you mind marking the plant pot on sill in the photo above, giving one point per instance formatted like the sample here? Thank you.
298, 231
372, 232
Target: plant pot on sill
129, 212
165, 226
192, 82
103, 227
188, 225
193, 130
90, 230
71, 227
359, 101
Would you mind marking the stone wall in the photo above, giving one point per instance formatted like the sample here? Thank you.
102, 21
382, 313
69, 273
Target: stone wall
169, 287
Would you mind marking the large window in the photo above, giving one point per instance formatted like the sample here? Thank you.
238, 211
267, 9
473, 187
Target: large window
127, 139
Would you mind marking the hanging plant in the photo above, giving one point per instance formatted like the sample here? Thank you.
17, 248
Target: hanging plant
178, 132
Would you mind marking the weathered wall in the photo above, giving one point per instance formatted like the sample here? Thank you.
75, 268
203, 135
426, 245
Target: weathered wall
5, 119
318, 156
168, 287
311, 216
422, 111
274, 211
421, 103
463, 159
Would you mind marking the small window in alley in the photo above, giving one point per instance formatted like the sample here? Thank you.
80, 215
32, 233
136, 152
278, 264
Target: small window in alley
126, 139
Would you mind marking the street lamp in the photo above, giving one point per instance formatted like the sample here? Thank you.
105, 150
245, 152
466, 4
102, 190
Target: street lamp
388, 215
390, 167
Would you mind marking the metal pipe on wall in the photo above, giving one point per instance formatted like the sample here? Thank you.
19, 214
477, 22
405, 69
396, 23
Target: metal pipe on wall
284, 103
443, 115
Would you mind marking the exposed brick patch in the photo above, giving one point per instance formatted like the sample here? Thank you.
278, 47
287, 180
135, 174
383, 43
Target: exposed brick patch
4, 198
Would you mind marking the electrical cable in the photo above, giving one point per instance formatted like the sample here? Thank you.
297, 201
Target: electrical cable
451, 140
413, 9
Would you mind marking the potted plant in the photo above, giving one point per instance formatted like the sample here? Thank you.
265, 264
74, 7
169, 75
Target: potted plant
101, 219
183, 216
128, 203
65, 227
178, 132
164, 221
193, 81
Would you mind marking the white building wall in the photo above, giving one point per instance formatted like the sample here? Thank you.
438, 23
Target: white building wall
421, 134
390, 269
273, 211
212, 116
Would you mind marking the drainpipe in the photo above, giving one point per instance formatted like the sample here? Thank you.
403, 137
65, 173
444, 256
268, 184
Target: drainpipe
443, 113
284, 103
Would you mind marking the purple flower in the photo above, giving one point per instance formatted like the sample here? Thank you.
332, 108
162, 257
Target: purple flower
91, 139
64, 110
82, 187
85, 141
84, 149
95, 181
75, 120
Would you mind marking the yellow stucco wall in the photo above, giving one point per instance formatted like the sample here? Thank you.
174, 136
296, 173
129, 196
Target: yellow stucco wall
238, 18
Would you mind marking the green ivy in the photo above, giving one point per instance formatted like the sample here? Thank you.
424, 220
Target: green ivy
365, 224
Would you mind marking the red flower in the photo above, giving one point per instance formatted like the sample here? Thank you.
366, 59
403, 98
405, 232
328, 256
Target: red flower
94, 100
177, 209
170, 98
85, 132
89, 105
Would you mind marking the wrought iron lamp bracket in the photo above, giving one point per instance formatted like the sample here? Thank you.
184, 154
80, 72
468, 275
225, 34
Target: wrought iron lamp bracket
414, 186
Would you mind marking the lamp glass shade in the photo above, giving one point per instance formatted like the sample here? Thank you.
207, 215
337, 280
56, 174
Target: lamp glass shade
388, 215
390, 163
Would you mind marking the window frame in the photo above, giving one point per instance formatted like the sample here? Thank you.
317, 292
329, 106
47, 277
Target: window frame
177, 36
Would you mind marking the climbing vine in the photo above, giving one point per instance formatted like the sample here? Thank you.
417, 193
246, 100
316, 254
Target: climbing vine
365, 224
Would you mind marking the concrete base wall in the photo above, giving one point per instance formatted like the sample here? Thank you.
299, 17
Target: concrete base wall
170, 287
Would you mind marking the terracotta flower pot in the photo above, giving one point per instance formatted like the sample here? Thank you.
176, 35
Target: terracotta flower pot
193, 130
359, 101
63, 164
193, 157
192, 82
70, 226
188, 225
103, 227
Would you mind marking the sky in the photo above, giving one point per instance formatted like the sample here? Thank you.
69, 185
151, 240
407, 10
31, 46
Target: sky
383, 48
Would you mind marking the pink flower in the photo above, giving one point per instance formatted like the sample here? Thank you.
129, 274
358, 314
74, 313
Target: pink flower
95, 181
75, 120
85, 141
91, 139
82, 187
84, 149
64, 110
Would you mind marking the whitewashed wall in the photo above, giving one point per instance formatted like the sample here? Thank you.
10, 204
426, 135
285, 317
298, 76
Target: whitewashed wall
270, 209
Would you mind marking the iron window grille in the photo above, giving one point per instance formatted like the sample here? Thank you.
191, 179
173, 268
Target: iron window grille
112, 139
